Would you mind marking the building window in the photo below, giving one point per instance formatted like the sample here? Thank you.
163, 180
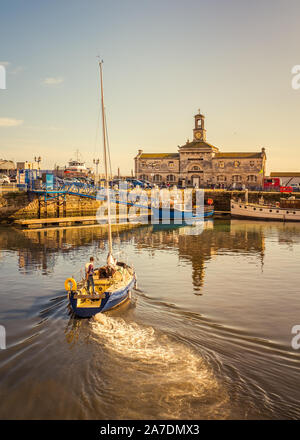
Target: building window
237, 163
195, 168
143, 164
252, 178
171, 164
143, 177
221, 164
252, 163
171, 178
157, 178
236, 178
155, 165
221, 178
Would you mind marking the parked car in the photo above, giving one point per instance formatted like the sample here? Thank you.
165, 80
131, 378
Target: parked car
136, 182
4, 179
295, 186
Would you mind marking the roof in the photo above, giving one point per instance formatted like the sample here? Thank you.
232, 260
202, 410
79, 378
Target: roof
239, 155
285, 174
199, 144
159, 156
7, 165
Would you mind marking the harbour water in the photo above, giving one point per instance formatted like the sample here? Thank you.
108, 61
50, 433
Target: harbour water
207, 335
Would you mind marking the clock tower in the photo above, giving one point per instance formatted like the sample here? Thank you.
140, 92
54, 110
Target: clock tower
199, 130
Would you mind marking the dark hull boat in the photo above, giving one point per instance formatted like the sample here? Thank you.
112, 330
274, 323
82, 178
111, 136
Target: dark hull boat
110, 291
180, 214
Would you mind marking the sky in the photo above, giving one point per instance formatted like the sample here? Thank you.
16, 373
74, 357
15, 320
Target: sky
163, 60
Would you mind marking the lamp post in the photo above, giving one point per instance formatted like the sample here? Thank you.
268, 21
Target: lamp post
96, 162
38, 159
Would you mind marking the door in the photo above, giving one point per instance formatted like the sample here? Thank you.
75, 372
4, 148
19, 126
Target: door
196, 181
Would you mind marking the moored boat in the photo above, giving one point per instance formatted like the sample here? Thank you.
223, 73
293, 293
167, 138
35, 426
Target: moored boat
179, 213
285, 210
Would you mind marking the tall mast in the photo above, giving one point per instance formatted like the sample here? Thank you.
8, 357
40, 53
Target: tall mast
105, 162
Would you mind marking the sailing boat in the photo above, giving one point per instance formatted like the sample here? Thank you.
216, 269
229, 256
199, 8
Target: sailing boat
113, 282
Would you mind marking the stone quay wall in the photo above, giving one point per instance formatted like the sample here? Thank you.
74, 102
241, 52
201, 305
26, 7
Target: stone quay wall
22, 205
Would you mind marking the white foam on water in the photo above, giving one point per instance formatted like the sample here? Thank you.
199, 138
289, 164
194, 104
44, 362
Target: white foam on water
179, 377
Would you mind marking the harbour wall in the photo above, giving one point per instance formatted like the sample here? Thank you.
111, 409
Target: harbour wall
23, 205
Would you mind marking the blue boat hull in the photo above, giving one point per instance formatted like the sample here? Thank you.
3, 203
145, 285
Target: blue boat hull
110, 301
173, 214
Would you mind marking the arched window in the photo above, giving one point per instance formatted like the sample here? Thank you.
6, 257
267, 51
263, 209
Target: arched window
252, 178
195, 168
221, 178
171, 178
143, 177
221, 164
157, 178
236, 178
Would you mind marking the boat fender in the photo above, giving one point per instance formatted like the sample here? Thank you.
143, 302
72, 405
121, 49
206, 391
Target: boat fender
72, 282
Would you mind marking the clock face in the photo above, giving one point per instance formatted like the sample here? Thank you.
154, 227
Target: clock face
198, 135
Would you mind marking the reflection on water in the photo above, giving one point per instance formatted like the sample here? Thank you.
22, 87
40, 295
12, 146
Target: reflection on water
206, 336
197, 250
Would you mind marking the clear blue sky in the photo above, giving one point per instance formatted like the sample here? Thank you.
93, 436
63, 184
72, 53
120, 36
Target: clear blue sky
162, 61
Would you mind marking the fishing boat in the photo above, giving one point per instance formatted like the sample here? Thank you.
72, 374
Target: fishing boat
113, 281
285, 210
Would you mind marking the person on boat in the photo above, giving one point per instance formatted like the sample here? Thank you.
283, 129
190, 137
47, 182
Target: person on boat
89, 273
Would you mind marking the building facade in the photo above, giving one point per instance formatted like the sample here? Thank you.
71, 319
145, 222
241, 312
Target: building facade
201, 164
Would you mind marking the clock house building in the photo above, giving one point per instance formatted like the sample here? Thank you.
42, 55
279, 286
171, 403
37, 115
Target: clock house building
201, 164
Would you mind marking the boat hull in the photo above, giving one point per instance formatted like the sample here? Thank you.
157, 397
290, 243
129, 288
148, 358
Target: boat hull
108, 301
263, 212
179, 215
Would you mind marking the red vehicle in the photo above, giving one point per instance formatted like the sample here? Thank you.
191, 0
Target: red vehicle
272, 182
286, 189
